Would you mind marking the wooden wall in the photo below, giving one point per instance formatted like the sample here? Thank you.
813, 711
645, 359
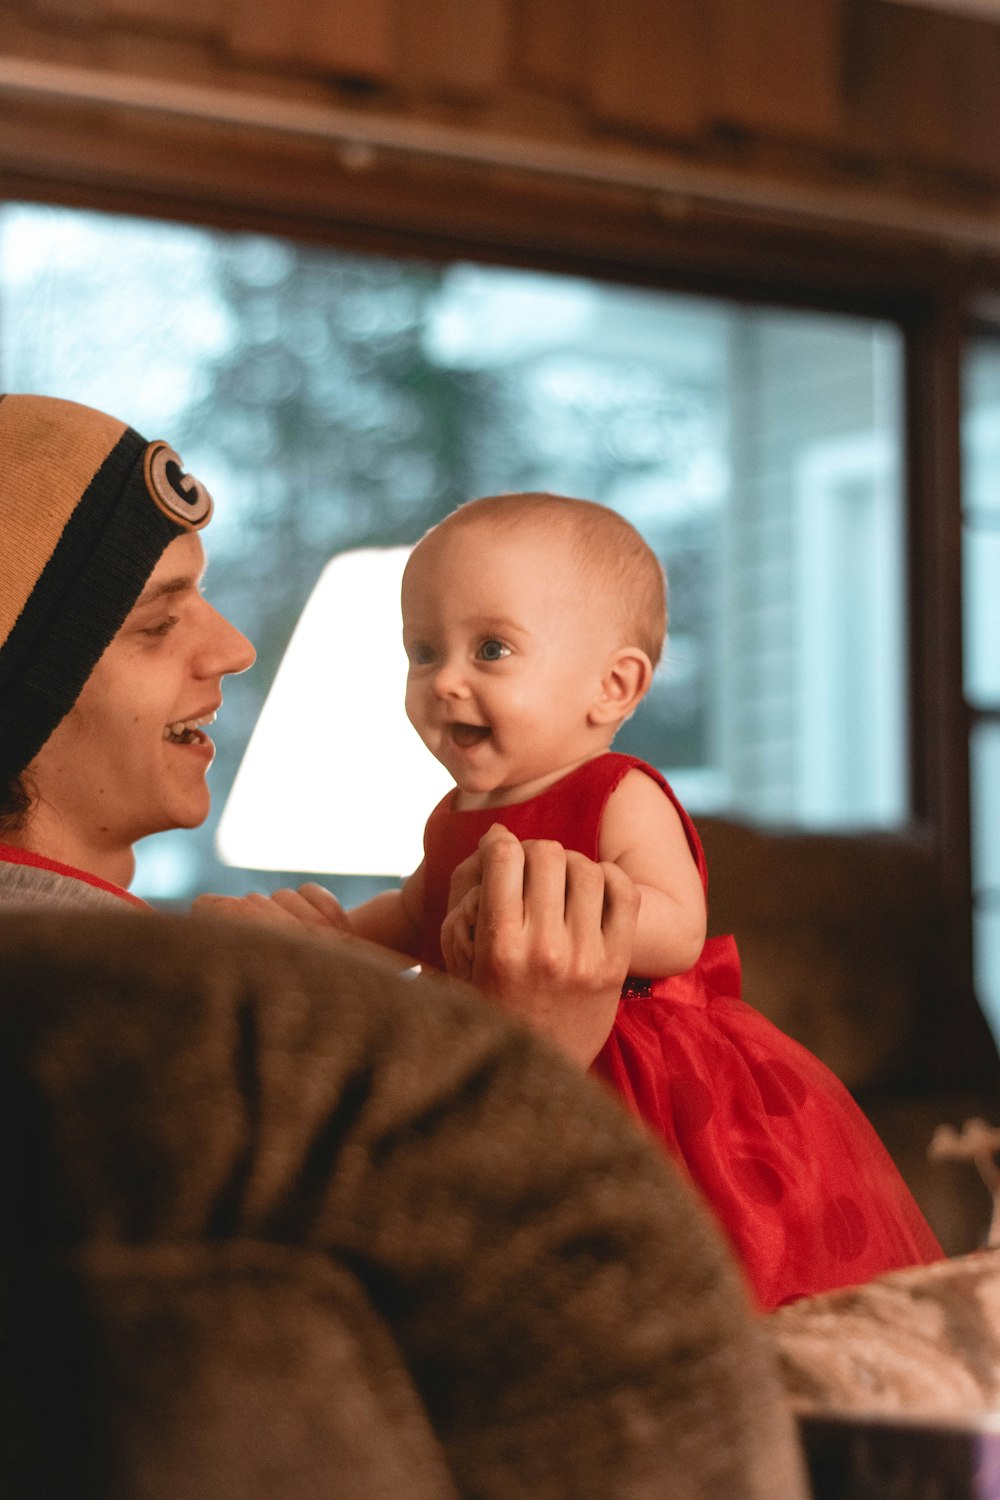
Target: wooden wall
876, 117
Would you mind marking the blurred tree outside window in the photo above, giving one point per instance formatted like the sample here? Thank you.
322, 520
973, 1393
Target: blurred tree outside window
335, 402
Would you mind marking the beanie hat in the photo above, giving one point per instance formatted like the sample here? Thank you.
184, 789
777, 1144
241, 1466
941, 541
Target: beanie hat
87, 508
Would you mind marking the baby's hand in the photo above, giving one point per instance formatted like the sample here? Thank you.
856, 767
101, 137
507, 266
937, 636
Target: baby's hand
310, 906
458, 941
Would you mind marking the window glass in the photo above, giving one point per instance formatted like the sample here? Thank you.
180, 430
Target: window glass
336, 403
981, 560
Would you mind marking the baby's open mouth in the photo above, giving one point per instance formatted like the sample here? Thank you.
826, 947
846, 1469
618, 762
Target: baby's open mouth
467, 735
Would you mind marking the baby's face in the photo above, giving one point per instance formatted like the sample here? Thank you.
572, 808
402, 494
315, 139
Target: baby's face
507, 650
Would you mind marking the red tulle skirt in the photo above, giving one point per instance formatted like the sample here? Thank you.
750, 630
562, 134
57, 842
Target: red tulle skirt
794, 1173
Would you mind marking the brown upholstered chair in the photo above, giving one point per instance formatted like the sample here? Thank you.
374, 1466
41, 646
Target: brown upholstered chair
279, 1225
843, 943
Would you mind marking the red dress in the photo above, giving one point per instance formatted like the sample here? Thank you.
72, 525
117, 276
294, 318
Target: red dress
796, 1176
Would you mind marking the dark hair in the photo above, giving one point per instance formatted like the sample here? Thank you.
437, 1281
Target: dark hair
16, 798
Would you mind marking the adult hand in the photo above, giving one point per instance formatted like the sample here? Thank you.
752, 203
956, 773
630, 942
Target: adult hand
310, 906
553, 936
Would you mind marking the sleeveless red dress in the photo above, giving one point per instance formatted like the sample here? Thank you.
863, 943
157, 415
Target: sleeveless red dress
796, 1176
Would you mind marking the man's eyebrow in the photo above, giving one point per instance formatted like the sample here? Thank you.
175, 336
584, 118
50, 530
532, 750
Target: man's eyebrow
167, 587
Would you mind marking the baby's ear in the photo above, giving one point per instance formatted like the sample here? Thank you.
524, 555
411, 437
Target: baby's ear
625, 683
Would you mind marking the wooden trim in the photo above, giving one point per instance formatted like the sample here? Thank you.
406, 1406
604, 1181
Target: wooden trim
939, 717
361, 137
434, 213
223, 154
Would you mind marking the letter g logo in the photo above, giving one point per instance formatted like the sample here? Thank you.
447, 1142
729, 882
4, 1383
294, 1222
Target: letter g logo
182, 498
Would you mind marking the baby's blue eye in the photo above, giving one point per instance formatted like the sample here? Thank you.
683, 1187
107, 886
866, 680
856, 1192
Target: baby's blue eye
493, 651
420, 654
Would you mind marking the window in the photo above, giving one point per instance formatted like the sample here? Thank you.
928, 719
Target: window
981, 561
336, 403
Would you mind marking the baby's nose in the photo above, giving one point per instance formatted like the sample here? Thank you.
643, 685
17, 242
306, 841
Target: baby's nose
449, 680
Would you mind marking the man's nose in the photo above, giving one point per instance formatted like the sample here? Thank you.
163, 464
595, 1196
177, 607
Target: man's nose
244, 652
227, 650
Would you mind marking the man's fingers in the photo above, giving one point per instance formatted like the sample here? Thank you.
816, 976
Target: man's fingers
602, 910
502, 882
469, 873
545, 875
621, 909
557, 938
621, 894
498, 833
586, 899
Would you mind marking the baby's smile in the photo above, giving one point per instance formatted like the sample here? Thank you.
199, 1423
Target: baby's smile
467, 735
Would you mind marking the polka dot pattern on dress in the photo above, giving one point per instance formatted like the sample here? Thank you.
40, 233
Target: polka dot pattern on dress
758, 1180
782, 1090
692, 1104
845, 1232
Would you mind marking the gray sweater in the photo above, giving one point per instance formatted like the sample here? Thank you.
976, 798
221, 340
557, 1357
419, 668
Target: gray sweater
24, 885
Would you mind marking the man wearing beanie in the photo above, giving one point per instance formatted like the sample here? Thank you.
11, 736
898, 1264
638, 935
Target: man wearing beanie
270, 1225
111, 666
111, 662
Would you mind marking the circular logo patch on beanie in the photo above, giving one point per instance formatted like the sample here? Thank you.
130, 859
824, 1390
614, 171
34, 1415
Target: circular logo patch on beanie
180, 496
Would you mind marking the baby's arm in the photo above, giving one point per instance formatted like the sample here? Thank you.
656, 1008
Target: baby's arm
392, 918
642, 833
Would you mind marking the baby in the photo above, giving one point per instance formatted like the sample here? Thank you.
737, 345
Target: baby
532, 625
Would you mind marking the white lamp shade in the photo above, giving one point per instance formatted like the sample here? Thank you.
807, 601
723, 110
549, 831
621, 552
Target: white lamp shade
335, 779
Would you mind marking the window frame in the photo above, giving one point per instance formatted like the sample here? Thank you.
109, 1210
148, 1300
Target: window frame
927, 289
981, 324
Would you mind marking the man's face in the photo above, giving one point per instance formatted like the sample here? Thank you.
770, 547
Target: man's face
131, 756
507, 648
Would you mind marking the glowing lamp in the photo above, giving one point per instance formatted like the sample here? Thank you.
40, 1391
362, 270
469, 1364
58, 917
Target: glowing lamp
335, 779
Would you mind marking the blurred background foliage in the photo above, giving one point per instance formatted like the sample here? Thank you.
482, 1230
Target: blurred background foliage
342, 427
335, 401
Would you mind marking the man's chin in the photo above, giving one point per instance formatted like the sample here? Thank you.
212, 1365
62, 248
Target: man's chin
195, 819
191, 814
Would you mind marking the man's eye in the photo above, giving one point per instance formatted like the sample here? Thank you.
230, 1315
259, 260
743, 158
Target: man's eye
163, 628
493, 651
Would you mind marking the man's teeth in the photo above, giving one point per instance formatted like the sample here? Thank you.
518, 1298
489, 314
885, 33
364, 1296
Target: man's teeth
185, 731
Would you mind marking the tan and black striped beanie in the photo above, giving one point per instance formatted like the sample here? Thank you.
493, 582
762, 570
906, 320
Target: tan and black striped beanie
87, 508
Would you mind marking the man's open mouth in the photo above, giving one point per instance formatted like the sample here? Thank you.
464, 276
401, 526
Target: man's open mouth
189, 731
467, 735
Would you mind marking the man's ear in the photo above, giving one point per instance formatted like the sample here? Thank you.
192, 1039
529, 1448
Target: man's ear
625, 683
